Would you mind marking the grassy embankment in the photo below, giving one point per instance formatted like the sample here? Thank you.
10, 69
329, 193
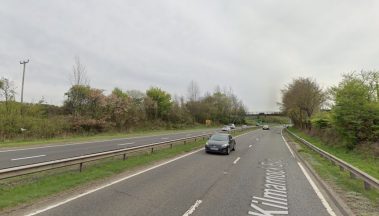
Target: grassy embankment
361, 201
24, 190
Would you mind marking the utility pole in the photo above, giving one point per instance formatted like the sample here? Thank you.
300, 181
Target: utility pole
23, 78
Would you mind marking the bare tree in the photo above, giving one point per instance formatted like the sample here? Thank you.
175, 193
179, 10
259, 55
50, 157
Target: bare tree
193, 91
7, 91
301, 99
79, 73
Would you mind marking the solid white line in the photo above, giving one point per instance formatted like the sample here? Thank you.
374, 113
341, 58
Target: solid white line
250, 146
164, 138
126, 144
236, 160
193, 207
281, 133
16, 159
318, 192
109, 184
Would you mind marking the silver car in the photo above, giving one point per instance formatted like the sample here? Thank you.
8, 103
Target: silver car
226, 128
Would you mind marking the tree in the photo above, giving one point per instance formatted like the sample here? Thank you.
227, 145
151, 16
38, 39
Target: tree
7, 91
117, 106
193, 91
161, 101
356, 110
301, 99
79, 74
85, 101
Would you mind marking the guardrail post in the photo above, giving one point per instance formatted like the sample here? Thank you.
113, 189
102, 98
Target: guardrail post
171, 145
152, 150
341, 168
366, 185
195, 139
80, 167
124, 157
352, 175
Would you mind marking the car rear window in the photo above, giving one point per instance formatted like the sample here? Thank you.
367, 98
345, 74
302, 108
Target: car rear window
219, 137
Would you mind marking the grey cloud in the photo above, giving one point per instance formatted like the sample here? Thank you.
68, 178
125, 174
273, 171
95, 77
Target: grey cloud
254, 47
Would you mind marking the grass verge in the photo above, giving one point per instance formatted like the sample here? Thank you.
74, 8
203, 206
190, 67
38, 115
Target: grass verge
24, 190
370, 165
361, 201
98, 137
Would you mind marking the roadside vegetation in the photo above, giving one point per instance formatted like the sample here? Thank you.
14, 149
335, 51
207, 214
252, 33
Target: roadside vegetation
344, 121
344, 117
26, 189
362, 202
87, 110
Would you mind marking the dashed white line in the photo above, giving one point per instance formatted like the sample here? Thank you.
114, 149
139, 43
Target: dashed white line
318, 192
293, 155
193, 207
250, 146
24, 158
236, 160
122, 144
165, 138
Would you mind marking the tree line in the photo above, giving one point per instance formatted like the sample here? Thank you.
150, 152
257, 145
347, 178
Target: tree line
90, 110
347, 113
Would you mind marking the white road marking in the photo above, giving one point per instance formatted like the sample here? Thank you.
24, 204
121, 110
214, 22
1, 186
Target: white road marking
165, 138
115, 182
250, 146
281, 133
109, 184
193, 207
189, 134
318, 192
236, 160
24, 158
122, 144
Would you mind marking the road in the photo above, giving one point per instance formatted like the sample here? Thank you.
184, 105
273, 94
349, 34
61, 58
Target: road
26, 156
260, 178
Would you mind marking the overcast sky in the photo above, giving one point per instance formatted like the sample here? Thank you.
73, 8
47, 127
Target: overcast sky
254, 47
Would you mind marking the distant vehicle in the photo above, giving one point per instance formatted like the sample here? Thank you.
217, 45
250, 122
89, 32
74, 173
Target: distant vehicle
220, 143
244, 126
232, 126
266, 127
226, 128
257, 124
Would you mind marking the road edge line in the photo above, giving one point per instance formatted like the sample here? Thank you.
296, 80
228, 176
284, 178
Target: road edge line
327, 190
324, 202
285, 141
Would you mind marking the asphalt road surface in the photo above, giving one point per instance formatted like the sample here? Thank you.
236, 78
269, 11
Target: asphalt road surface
260, 178
19, 157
